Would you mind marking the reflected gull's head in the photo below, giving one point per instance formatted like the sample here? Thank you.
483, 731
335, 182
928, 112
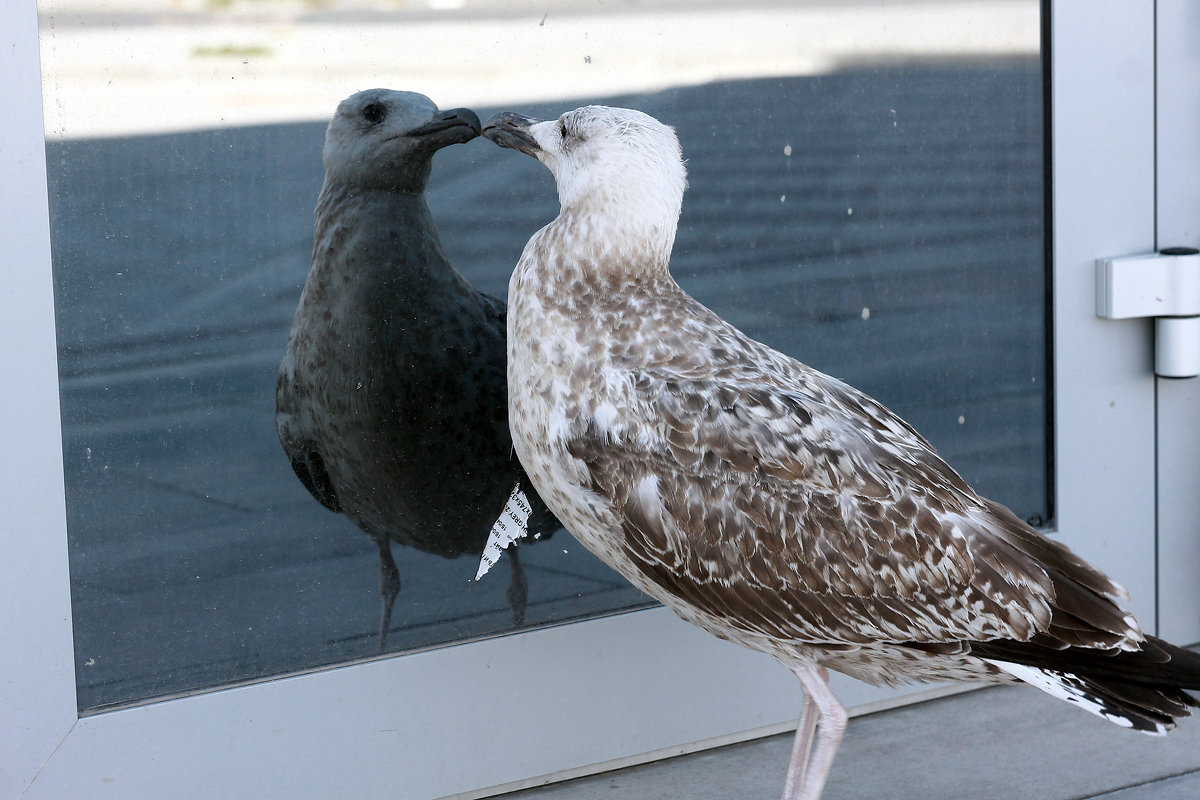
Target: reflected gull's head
381, 138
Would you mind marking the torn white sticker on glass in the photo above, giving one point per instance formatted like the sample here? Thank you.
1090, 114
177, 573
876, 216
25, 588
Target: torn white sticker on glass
512, 525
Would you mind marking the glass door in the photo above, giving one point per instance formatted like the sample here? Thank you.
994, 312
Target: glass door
868, 208
874, 202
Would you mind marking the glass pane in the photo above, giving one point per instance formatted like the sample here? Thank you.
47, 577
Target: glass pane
866, 193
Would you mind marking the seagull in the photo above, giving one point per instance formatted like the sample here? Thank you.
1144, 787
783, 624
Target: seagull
770, 504
391, 397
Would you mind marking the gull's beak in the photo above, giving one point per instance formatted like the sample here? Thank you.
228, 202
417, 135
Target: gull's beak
509, 129
454, 126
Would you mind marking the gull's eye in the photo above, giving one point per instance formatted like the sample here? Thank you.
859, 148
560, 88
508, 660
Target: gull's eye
374, 113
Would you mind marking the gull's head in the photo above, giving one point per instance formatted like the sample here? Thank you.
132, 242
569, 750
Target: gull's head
383, 139
606, 161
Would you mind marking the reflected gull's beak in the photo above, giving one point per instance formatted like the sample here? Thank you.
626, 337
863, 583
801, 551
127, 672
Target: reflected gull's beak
453, 126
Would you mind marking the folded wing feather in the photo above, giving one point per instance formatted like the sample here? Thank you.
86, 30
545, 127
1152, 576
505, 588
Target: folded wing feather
812, 512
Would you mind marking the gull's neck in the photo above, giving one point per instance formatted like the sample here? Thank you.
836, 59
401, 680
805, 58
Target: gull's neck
377, 203
397, 225
601, 247
384, 248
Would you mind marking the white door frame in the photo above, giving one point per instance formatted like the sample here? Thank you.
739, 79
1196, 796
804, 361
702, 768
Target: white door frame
1102, 128
1178, 225
552, 701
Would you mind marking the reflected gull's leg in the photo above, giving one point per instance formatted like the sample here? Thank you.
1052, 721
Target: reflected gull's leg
389, 588
518, 587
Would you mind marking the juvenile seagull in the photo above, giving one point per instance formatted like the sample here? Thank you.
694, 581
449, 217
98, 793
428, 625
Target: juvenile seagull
764, 501
391, 399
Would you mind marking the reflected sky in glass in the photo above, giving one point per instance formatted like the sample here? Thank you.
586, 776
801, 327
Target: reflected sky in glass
866, 194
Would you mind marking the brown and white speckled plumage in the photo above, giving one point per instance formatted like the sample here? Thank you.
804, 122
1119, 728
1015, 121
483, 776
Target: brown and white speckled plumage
391, 397
758, 498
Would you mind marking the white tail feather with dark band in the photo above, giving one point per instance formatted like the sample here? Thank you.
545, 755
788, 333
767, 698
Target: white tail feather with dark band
1074, 690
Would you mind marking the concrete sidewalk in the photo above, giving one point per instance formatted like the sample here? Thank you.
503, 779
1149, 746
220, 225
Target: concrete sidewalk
1003, 743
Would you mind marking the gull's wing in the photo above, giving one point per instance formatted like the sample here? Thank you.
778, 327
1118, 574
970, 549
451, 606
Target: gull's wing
813, 513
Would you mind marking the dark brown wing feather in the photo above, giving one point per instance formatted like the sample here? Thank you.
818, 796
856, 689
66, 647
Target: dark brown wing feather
812, 513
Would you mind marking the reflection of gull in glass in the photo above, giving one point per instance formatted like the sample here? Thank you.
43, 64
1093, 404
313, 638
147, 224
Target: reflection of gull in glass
768, 503
391, 399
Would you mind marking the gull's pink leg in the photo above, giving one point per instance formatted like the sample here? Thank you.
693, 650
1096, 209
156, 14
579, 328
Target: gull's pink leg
801, 747
825, 716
